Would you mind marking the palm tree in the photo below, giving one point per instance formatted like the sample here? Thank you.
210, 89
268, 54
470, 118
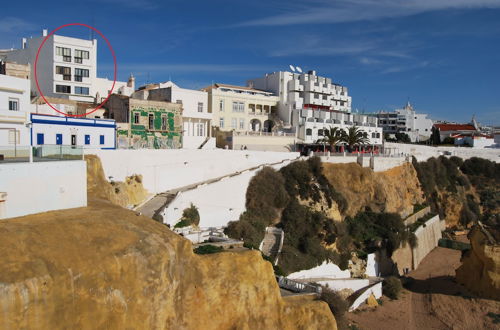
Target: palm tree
354, 137
332, 137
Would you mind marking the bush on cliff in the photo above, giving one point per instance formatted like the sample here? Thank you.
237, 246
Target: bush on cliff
391, 287
338, 305
190, 216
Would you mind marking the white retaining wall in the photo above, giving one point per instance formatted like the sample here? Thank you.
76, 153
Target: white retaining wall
339, 284
376, 163
40, 187
326, 269
376, 290
163, 170
217, 203
422, 153
428, 236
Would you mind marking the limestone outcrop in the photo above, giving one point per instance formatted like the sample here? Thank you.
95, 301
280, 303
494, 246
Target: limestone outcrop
126, 194
395, 190
480, 269
104, 267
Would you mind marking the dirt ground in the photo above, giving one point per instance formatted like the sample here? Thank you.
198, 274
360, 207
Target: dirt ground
432, 300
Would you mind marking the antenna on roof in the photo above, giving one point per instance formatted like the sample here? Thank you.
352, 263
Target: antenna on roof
292, 68
299, 69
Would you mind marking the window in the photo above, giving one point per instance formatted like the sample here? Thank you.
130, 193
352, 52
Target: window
101, 139
164, 122
80, 74
81, 90
136, 118
378, 135
200, 106
242, 123
59, 139
374, 135
13, 104
39, 138
178, 101
233, 123
221, 122
151, 120
201, 129
87, 139
320, 132
80, 55
65, 71
238, 107
308, 131
65, 53
63, 89
221, 105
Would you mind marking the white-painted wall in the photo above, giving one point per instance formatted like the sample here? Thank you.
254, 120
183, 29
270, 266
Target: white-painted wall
13, 123
44, 186
422, 152
68, 126
218, 203
376, 290
164, 170
326, 269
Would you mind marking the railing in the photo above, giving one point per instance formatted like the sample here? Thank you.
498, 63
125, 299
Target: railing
14, 153
260, 133
298, 287
57, 152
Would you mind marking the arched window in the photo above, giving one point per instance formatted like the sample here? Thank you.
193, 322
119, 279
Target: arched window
309, 131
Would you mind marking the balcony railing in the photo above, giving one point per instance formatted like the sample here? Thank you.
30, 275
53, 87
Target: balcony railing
17, 153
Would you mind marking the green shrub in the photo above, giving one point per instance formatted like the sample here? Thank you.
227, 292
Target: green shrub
207, 249
338, 305
391, 287
190, 216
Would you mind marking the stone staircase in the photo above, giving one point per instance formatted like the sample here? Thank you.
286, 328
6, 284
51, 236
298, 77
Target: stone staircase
272, 243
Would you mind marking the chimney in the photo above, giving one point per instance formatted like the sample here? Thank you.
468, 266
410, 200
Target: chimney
44, 32
24, 43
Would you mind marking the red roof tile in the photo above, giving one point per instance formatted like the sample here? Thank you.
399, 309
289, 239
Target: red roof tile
454, 127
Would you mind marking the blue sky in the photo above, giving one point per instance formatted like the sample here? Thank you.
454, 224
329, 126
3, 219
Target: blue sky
444, 55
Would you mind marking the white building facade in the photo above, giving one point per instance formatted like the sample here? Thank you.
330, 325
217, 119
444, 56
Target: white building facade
14, 109
416, 125
310, 105
68, 131
196, 117
66, 68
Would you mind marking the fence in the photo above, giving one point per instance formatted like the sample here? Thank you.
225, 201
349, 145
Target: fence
298, 287
16, 154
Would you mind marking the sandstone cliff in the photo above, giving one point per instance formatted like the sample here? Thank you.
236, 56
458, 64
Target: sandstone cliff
126, 194
480, 269
395, 190
103, 267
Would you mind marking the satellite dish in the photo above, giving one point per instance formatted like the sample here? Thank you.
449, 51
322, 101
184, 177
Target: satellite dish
292, 68
299, 69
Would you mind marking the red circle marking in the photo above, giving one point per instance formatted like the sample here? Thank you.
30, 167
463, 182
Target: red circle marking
114, 75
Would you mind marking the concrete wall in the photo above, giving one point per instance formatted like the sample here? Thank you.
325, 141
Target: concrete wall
377, 164
218, 203
326, 269
422, 152
428, 236
415, 216
40, 187
163, 169
264, 142
376, 290
353, 284
17, 89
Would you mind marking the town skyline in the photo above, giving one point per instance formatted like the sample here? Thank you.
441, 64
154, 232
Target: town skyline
440, 56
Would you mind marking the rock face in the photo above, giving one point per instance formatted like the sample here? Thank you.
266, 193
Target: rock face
480, 269
103, 267
395, 190
128, 193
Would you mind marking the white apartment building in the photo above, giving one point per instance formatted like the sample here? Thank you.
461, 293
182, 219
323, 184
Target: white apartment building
66, 68
310, 104
406, 120
14, 109
196, 117
242, 109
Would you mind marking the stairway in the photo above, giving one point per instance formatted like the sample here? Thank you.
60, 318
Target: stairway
271, 245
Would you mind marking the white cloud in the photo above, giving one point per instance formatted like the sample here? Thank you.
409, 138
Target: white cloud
359, 10
14, 24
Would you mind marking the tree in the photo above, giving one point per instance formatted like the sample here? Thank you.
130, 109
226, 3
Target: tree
332, 137
354, 137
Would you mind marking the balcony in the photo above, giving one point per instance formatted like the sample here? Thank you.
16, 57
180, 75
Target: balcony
294, 85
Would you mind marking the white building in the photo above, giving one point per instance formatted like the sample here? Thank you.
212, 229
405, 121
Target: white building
196, 116
416, 125
66, 68
14, 109
311, 104
82, 132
